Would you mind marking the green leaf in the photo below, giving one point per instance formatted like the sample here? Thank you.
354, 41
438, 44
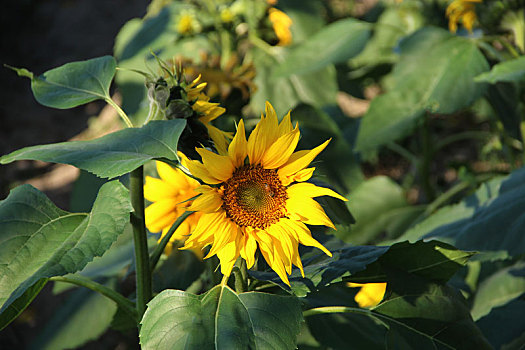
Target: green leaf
317, 88
337, 161
380, 207
489, 221
39, 240
498, 290
83, 316
434, 79
220, 319
20, 304
112, 155
512, 70
393, 24
425, 315
73, 84
335, 43
504, 99
433, 260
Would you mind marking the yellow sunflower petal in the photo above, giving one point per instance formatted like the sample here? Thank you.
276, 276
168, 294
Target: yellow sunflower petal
161, 214
220, 166
198, 170
204, 231
227, 256
308, 210
156, 189
305, 236
225, 232
267, 250
248, 249
208, 202
264, 134
310, 190
298, 161
286, 125
238, 148
370, 294
173, 177
281, 150
302, 175
220, 139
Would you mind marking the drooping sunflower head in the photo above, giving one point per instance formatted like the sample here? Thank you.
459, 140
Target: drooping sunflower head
258, 198
172, 97
464, 11
281, 24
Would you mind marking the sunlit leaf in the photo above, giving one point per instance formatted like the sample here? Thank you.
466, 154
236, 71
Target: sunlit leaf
335, 43
112, 155
74, 83
39, 240
220, 319
380, 207
433, 79
498, 290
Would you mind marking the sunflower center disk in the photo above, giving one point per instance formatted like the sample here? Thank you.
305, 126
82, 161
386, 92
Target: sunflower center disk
254, 197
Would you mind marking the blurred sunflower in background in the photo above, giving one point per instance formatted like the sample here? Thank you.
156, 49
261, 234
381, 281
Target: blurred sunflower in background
464, 11
259, 198
169, 195
281, 24
370, 294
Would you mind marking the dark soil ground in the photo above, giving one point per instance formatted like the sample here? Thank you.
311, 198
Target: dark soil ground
40, 35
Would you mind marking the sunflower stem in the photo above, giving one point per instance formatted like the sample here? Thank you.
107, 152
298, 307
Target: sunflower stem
142, 269
224, 280
241, 276
125, 304
120, 112
155, 256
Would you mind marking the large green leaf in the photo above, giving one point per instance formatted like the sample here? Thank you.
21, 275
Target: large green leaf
435, 79
318, 88
21, 303
394, 23
433, 260
513, 70
498, 290
490, 220
112, 155
84, 316
74, 83
380, 207
335, 43
39, 240
220, 319
425, 315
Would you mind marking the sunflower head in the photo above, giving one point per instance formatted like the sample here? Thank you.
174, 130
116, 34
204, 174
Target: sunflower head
172, 97
256, 197
170, 195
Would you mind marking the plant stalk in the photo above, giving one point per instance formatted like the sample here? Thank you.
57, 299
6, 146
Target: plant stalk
125, 304
142, 269
120, 112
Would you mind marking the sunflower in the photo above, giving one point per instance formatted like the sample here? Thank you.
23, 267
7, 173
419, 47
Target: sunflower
258, 198
463, 10
370, 294
281, 25
169, 195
